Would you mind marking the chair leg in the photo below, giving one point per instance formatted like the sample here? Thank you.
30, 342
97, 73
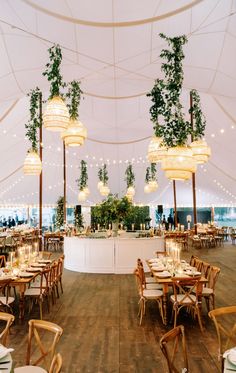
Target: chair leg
199, 319
41, 309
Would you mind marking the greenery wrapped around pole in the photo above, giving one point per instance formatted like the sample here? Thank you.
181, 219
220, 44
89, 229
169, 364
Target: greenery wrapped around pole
59, 218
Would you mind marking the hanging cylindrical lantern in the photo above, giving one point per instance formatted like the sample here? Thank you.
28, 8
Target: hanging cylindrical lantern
147, 188
75, 134
156, 150
130, 191
82, 196
104, 190
99, 185
56, 115
179, 164
201, 151
86, 190
32, 164
152, 185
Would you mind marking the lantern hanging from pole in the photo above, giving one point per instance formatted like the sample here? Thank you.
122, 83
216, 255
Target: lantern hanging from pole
153, 185
99, 185
201, 151
75, 134
32, 164
82, 196
156, 150
86, 191
56, 115
179, 164
130, 191
104, 190
147, 188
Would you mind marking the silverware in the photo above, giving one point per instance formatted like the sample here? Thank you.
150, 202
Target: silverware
4, 362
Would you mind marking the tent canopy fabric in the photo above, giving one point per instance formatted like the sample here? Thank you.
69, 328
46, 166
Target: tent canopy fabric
112, 47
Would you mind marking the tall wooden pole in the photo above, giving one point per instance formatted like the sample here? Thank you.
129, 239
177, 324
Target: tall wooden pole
41, 174
193, 175
175, 205
64, 180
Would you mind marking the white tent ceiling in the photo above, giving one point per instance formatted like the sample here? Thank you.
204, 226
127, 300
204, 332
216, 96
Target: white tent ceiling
113, 47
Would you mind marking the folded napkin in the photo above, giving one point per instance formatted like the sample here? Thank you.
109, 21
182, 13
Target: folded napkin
231, 355
158, 268
4, 351
154, 260
164, 274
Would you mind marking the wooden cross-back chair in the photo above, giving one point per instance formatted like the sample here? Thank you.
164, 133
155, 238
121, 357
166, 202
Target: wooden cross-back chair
56, 364
225, 325
145, 295
208, 292
173, 347
5, 300
186, 294
148, 282
2, 261
43, 338
8, 319
35, 327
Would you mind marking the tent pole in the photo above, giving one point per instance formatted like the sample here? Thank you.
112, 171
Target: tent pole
64, 180
41, 174
175, 206
193, 174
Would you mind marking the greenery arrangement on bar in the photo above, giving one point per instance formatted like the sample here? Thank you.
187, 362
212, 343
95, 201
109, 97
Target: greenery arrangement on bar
112, 209
59, 213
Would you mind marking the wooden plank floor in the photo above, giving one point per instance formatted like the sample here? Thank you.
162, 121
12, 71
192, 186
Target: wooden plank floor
101, 332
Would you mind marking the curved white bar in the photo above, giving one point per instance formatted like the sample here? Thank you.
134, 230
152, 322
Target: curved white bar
112, 255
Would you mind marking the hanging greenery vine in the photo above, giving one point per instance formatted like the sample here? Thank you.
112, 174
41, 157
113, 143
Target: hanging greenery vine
158, 107
60, 212
34, 121
53, 71
153, 171
176, 129
129, 176
104, 175
83, 180
74, 95
78, 217
148, 175
198, 116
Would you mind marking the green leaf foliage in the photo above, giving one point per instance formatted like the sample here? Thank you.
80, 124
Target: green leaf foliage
52, 71
153, 171
198, 116
83, 180
60, 212
148, 175
34, 121
74, 95
129, 176
110, 210
103, 174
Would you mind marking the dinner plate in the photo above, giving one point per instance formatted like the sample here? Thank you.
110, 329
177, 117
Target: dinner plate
44, 261
232, 356
25, 274
158, 269
164, 274
34, 269
38, 265
195, 273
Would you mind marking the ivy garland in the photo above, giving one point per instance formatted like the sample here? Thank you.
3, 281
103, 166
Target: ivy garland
166, 95
158, 107
34, 121
74, 95
60, 212
53, 71
176, 129
148, 175
198, 116
83, 180
129, 176
153, 171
